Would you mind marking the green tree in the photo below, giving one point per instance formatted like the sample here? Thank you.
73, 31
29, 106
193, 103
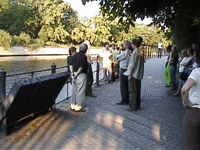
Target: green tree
166, 14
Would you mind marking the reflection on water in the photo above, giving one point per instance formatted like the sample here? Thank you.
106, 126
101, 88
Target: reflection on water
24, 64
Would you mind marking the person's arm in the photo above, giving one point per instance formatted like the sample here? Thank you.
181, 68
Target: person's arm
89, 60
78, 72
121, 56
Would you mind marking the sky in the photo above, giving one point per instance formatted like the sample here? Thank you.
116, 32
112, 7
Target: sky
91, 9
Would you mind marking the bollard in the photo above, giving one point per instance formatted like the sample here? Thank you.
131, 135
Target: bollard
97, 72
53, 68
2, 93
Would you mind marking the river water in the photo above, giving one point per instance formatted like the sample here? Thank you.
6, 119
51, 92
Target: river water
22, 64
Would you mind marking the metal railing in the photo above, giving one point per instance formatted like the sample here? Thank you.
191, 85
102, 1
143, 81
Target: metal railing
4, 89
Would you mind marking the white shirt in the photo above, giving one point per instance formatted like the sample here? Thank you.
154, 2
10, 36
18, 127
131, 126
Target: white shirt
123, 59
194, 92
184, 61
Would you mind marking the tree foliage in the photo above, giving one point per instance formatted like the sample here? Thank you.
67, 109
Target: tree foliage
173, 14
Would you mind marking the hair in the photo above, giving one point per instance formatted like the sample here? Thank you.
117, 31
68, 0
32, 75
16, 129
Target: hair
136, 42
87, 43
191, 50
197, 53
72, 50
184, 52
169, 47
140, 39
128, 45
83, 48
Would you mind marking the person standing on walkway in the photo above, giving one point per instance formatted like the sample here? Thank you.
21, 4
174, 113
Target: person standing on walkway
167, 67
89, 75
191, 121
72, 51
173, 67
135, 73
123, 59
160, 45
79, 70
186, 56
107, 63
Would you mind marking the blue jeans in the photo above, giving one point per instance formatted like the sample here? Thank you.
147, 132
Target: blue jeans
173, 76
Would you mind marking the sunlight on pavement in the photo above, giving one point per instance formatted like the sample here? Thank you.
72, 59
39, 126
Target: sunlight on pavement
109, 120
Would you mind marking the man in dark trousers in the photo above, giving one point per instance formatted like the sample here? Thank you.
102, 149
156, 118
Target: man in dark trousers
79, 70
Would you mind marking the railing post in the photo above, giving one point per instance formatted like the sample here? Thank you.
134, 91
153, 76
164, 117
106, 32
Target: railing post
53, 71
2, 93
97, 71
53, 68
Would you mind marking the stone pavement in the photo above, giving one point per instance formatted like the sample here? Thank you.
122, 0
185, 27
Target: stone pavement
105, 125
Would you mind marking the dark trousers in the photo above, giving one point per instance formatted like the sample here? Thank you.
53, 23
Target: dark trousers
191, 129
124, 86
173, 76
90, 80
135, 94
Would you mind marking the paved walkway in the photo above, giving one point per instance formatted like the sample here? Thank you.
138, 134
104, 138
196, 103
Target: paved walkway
105, 125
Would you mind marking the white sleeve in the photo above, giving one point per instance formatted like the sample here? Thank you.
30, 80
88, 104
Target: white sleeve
195, 75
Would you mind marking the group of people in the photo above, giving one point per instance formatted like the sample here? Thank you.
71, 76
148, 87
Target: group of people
130, 58
188, 89
131, 63
183, 63
80, 67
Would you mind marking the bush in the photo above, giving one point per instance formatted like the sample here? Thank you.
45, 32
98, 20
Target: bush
5, 39
15, 40
24, 38
36, 44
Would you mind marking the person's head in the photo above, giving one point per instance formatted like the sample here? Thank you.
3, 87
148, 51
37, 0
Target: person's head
190, 51
136, 43
72, 51
197, 54
83, 48
87, 43
127, 45
183, 53
173, 50
121, 47
140, 39
107, 45
169, 47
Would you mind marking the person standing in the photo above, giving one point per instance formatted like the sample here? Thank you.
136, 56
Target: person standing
160, 49
191, 121
123, 59
78, 67
89, 75
107, 63
173, 67
135, 73
167, 67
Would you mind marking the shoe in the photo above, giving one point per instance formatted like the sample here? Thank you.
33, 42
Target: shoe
80, 110
72, 109
91, 95
176, 95
129, 109
121, 103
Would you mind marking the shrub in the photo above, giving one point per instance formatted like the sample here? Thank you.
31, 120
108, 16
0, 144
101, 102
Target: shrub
5, 39
15, 40
24, 38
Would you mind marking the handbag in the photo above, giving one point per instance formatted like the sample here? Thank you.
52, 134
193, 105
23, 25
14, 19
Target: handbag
184, 75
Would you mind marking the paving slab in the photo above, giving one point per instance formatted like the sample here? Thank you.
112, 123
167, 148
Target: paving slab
105, 125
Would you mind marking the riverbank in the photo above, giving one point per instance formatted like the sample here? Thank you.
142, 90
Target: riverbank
17, 53
17, 50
